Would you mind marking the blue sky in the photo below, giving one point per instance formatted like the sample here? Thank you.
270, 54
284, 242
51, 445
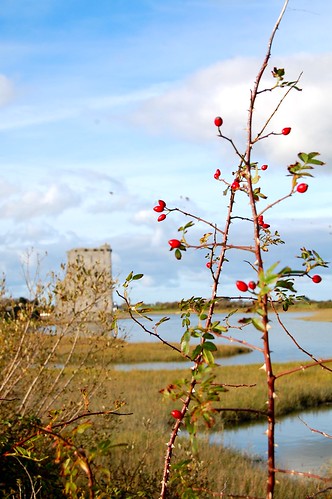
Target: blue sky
119, 97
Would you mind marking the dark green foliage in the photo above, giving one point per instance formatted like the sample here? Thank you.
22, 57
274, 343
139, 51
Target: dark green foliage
27, 471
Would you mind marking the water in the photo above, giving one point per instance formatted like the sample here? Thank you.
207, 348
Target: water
314, 337
298, 448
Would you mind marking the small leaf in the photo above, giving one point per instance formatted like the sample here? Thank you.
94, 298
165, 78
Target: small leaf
185, 342
178, 254
137, 276
208, 345
197, 351
208, 357
258, 324
129, 276
208, 336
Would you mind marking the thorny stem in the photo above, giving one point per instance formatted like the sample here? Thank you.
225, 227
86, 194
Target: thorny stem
170, 444
216, 277
187, 401
270, 378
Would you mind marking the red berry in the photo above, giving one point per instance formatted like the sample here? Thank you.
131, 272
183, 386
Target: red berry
264, 167
218, 121
265, 226
316, 278
286, 131
158, 208
174, 243
161, 217
235, 185
162, 203
252, 285
176, 414
217, 174
302, 188
260, 220
208, 265
241, 286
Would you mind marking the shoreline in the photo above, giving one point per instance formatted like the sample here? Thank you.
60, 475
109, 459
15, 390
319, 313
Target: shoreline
319, 315
316, 314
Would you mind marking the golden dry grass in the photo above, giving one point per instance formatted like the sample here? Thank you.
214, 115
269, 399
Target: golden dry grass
321, 315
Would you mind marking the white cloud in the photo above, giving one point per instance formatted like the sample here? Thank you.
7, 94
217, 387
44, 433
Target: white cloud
51, 200
6, 91
188, 109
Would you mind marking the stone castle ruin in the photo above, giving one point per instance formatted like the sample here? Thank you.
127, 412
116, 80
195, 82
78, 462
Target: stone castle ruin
87, 286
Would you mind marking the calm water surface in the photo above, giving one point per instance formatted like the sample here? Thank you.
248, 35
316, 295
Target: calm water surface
297, 447
315, 337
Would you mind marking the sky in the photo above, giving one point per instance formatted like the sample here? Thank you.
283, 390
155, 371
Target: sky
108, 106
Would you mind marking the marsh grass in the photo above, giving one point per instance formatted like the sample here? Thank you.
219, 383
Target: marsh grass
133, 456
119, 351
320, 315
146, 431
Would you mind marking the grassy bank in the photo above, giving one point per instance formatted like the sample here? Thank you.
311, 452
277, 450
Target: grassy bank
305, 389
321, 315
122, 352
147, 429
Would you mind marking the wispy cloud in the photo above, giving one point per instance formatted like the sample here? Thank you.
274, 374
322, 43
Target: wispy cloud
39, 202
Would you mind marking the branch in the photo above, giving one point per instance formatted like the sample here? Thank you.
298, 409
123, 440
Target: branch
313, 430
301, 473
317, 361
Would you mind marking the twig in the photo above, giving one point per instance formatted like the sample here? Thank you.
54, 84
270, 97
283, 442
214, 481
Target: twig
313, 430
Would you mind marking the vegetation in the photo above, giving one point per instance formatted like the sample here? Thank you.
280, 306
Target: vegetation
73, 426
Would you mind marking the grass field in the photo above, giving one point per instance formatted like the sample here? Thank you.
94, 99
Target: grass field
147, 429
132, 446
324, 315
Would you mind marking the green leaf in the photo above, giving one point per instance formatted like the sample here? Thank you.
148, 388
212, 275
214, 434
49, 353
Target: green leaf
286, 284
208, 345
255, 178
208, 357
163, 319
185, 342
129, 276
303, 157
219, 329
203, 317
208, 336
197, 351
258, 324
178, 254
136, 277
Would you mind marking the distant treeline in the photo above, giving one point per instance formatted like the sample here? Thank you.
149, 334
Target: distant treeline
228, 303
12, 308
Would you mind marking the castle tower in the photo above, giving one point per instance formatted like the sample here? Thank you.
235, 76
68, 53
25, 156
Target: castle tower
87, 286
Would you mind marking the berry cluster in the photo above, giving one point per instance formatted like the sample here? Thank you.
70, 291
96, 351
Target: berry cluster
242, 286
261, 222
159, 208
